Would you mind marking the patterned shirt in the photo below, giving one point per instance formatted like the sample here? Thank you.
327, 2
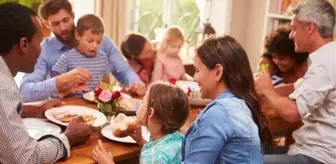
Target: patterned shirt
16, 146
98, 65
167, 150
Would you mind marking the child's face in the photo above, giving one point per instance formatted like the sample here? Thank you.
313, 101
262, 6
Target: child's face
173, 48
89, 42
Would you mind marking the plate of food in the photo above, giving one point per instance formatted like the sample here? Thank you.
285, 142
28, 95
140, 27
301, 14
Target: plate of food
121, 126
64, 114
192, 90
37, 128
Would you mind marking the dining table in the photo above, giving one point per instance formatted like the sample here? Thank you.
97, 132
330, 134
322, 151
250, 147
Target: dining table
126, 153
123, 153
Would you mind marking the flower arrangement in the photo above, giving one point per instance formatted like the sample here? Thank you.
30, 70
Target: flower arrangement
107, 95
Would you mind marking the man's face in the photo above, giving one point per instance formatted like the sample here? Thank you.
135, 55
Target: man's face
31, 50
62, 25
300, 35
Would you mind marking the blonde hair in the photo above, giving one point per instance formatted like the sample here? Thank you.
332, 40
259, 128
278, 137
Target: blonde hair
172, 34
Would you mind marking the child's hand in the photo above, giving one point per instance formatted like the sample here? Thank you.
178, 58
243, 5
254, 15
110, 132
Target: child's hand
101, 156
137, 136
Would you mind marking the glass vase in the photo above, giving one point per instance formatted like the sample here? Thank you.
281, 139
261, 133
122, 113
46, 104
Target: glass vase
108, 109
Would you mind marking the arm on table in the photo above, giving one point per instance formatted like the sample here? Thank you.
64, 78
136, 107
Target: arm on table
119, 67
17, 146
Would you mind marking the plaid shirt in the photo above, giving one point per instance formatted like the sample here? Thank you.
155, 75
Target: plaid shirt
16, 146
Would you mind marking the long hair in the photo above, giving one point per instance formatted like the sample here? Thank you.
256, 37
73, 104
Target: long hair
237, 76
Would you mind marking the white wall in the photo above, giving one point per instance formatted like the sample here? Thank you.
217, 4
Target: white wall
245, 23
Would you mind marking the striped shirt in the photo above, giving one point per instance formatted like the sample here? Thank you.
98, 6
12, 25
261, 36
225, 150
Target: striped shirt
16, 146
98, 65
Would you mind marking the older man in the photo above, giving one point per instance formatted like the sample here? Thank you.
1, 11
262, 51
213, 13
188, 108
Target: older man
59, 17
314, 100
20, 38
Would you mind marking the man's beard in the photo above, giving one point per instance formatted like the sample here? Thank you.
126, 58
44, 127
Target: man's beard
69, 40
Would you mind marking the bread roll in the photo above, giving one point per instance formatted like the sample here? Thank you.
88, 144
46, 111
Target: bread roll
122, 125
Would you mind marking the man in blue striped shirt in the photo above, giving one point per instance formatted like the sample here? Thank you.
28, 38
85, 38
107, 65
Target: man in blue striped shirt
58, 15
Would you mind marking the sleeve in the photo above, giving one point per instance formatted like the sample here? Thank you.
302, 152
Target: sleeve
35, 86
119, 67
17, 146
211, 133
312, 91
62, 65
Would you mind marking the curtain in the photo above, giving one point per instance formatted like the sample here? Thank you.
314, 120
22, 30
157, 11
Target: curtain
114, 14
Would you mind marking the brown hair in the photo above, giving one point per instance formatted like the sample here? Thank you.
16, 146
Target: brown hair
51, 7
132, 46
279, 44
171, 108
237, 76
90, 22
173, 33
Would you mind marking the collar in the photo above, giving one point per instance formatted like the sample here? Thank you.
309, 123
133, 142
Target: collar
226, 94
318, 54
58, 44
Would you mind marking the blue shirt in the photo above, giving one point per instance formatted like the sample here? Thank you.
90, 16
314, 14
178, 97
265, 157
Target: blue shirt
224, 132
39, 86
97, 65
167, 149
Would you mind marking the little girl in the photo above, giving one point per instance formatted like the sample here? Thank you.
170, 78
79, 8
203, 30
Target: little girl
163, 115
168, 64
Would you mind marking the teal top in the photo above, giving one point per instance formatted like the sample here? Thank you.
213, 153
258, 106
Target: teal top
168, 150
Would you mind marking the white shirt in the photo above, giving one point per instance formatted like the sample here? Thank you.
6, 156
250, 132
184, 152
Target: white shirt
16, 146
316, 101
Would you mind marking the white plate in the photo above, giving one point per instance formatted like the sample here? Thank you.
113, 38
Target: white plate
107, 132
38, 128
80, 110
90, 96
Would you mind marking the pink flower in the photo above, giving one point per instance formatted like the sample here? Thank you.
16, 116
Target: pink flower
105, 96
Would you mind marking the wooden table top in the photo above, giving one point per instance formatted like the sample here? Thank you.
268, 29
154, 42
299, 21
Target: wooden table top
120, 151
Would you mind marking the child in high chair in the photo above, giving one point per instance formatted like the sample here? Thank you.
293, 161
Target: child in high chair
168, 64
163, 115
89, 33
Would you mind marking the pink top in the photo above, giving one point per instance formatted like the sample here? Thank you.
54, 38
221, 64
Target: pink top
172, 67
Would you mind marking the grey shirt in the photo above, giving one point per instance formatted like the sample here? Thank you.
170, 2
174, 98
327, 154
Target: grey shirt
316, 101
16, 146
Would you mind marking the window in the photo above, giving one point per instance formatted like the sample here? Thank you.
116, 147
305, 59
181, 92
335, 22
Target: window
151, 17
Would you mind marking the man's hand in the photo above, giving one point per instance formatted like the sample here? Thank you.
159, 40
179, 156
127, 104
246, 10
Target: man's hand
263, 84
48, 105
78, 132
138, 89
37, 111
75, 89
75, 77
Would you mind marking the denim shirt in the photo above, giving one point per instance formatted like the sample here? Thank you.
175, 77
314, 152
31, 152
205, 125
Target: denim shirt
224, 132
41, 84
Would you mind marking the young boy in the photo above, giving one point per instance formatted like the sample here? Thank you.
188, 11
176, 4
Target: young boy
86, 54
